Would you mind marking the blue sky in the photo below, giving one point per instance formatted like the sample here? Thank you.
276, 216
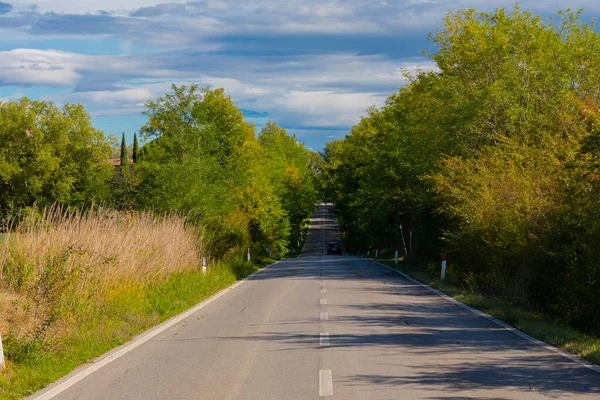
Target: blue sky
313, 66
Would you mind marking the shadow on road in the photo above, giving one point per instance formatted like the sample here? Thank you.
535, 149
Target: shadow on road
415, 323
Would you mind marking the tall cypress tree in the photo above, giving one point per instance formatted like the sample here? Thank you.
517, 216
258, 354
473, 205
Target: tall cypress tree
124, 158
135, 148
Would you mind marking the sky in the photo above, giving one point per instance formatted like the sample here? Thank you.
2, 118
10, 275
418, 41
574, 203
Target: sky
312, 66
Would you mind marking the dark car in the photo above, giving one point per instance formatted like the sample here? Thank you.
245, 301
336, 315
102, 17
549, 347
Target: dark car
335, 248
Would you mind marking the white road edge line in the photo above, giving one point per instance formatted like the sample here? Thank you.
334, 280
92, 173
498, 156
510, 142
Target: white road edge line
503, 324
323, 301
325, 383
324, 339
135, 342
324, 316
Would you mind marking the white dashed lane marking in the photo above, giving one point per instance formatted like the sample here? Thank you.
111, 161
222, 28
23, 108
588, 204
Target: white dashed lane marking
325, 383
324, 316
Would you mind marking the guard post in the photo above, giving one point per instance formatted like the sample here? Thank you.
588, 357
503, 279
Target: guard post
444, 260
1, 354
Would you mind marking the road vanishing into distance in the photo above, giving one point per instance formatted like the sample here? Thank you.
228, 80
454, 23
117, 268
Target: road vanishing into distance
340, 327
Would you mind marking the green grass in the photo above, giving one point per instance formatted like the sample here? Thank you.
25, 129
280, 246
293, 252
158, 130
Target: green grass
33, 364
539, 325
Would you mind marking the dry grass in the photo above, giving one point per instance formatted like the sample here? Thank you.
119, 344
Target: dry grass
58, 261
75, 285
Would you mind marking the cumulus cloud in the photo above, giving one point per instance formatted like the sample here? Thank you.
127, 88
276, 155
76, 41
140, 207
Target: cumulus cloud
293, 6
160, 10
87, 6
303, 91
315, 65
26, 67
322, 109
132, 97
152, 20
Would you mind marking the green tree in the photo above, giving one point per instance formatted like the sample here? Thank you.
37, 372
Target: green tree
50, 154
125, 182
492, 158
124, 157
288, 164
136, 149
204, 159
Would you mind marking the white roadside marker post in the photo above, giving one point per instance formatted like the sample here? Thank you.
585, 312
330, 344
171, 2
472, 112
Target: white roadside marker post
1, 354
376, 253
203, 266
248, 254
396, 256
443, 274
403, 241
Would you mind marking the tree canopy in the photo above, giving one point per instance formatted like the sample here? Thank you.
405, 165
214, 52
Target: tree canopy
50, 154
205, 160
200, 158
492, 158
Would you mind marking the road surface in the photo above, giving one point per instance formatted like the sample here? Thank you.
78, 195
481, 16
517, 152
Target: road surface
339, 327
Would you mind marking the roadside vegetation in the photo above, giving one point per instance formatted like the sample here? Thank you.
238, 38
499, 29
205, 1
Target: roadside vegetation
92, 253
493, 157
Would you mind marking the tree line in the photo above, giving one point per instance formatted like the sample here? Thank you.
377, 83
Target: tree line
200, 159
493, 158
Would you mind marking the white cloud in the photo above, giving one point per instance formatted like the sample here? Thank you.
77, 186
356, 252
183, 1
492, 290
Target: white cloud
324, 108
38, 67
129, 96
88, 6
319, 90
218, 5
267, 54
242, 91
179, 22
60, 68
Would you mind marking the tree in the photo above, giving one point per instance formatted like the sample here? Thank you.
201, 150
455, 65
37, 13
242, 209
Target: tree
288, 164
204, 160
50, 154
125, 182
492, 158
124, 156
136, 150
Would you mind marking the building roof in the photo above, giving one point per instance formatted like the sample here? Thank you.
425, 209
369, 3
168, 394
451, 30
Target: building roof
116, 162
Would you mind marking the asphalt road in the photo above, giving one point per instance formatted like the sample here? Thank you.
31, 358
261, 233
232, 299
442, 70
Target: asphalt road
339, 327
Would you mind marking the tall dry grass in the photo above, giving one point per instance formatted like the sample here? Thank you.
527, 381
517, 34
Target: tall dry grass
59, 260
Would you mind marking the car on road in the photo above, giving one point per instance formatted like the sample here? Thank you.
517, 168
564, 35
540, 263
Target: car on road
335, 248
